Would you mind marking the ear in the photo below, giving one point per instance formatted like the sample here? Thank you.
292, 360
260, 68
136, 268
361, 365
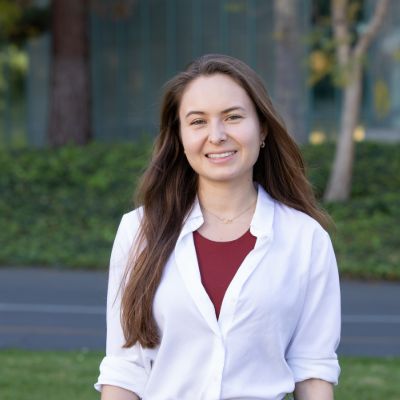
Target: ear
262, 139
263, 135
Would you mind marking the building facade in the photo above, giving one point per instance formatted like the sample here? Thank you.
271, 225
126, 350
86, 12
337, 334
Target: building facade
137, 45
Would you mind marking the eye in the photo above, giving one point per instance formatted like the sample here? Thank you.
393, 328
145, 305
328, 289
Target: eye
198, 122
234, 117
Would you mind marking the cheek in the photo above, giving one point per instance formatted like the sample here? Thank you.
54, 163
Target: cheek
193, 159
185, 139
254, 153
251, 140
191, 144
191, 154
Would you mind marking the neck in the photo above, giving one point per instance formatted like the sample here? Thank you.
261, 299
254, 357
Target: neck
226, 198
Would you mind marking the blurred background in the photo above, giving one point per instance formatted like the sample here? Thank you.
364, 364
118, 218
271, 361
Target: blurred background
127, 49
80, 86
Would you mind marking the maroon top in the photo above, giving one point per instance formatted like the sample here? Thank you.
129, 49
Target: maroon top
219, 262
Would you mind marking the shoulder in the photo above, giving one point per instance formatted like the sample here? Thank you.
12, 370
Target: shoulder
285, 213
127, 232
292, 223
130, 221
281, 220
304, 239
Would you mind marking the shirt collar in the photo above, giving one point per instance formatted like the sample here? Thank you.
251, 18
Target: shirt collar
194, 219
263, 218
261, 223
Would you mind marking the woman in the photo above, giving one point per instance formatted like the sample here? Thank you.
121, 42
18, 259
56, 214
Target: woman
223, 285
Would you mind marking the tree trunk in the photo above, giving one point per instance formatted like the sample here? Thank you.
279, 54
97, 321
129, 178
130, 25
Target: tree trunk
289, 90
350, 62
69, 120
339, 184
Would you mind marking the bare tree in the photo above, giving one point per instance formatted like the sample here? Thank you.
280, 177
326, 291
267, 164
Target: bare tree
289, 53
350, 60
69, 120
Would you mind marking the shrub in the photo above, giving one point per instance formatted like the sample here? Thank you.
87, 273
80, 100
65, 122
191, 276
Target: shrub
62, 208
367, 237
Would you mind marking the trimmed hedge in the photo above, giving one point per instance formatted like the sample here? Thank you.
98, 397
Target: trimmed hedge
62, 207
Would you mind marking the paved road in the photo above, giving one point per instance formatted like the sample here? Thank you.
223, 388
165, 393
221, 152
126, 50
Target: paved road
50, 309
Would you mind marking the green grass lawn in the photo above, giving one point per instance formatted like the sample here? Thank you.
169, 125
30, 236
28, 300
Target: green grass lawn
46, 375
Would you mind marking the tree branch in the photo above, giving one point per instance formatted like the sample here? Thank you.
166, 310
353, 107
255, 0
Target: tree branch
341, 30
372, 28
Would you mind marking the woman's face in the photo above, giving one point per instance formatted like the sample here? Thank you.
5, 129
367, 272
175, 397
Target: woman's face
220, 130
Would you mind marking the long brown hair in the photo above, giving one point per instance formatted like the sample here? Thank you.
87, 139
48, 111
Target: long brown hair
168, 188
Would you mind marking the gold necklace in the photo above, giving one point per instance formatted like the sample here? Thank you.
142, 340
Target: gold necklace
229, 220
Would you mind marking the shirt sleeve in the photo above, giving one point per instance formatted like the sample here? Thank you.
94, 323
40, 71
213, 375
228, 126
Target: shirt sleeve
312, 350
122, 367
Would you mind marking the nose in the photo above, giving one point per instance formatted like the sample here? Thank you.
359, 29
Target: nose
217, 133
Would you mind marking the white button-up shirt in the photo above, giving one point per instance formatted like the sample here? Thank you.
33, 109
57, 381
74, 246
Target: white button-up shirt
279, 321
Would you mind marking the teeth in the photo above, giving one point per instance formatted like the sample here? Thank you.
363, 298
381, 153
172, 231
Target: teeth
220, 155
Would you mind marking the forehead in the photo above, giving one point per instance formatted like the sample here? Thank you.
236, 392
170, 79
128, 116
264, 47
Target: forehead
214, 91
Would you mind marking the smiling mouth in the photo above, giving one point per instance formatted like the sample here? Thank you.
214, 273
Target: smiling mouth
220, 155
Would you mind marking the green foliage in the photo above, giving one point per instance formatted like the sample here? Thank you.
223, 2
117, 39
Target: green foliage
65, 375
62, 207
376, 169
22, 19
367, 236
10, 12
381, 96
322, 62
13, 69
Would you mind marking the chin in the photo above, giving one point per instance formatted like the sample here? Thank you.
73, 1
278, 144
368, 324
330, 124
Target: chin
223, 179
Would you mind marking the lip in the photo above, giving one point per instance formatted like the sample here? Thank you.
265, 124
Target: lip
220, 156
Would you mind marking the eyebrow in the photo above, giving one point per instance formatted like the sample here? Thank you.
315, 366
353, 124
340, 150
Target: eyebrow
223, 112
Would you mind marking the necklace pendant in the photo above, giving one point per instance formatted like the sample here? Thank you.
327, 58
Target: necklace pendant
227, 220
